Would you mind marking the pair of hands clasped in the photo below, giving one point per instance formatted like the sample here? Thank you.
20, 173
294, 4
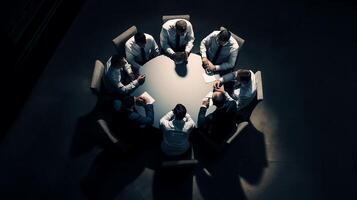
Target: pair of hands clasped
141, 101
206, 64
139, 78
178, 56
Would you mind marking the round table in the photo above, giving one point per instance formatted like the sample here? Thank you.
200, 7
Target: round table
170, 84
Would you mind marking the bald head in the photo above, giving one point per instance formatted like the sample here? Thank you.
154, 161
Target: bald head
218, 98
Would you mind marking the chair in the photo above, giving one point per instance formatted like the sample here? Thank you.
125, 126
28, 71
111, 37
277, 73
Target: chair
104, 125
181, 160
166, 18
104, 98
219, 147
247, 111
97, 75
119, 41
240, 42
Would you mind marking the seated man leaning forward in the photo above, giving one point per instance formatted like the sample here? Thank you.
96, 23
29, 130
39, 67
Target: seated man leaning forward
119, 78
219, 51
139, 49
176, 39
176, 126
244, 88
219, 124
129, 122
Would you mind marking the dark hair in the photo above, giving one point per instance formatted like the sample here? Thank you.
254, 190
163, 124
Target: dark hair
140, 38
181, 25
219, 100
179, 111
224, 35
244, 75
116, 59
128, 101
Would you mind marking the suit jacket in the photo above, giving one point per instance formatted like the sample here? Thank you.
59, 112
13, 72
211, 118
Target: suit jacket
220, 123
130, 123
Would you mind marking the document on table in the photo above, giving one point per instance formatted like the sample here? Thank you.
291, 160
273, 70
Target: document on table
210, 78
151, 99
208, 97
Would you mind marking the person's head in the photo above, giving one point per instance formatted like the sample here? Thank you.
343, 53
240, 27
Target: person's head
128, 102
140, 39
218, 98
243, 76
117, 61
181, 27
223, 36
179, 111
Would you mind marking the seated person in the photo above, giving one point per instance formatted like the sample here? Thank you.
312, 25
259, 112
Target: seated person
176, 39
219, 124
244, 88
128, 119
139, 49
119, 78
219, 51
176, 126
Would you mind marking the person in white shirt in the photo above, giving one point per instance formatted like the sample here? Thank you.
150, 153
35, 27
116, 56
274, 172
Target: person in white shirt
176, 126
139, 49
176, 39
219, 51
119, 78
244, 88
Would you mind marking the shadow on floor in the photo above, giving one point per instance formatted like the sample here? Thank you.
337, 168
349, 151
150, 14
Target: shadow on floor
173, 184
218, 175
112, 170
110, 173
88, 133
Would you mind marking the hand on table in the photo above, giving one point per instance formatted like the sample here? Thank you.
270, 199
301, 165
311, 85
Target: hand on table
205, 103
141, 101
211, 67
219, 89
141, 79
132, 76
217, 84
205, 63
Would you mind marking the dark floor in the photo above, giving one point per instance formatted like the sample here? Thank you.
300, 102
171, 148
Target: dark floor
301, 145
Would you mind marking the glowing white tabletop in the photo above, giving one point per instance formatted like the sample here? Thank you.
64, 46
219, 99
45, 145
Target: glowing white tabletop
170, 84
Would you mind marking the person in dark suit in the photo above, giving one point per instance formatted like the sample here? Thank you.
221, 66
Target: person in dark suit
219, 124
129, 123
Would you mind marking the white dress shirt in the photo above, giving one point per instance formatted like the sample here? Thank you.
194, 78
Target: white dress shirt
133, 51
112, 79
176, 133
168, 36
243, 94
228, 55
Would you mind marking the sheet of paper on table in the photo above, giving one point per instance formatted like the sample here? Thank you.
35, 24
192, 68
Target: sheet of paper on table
210, 78
209, 97
146, 94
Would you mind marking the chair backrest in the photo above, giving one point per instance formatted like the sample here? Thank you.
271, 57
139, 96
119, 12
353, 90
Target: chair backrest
119, 41
104, 125
259, 82
97, 75
166, 18
240, 128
